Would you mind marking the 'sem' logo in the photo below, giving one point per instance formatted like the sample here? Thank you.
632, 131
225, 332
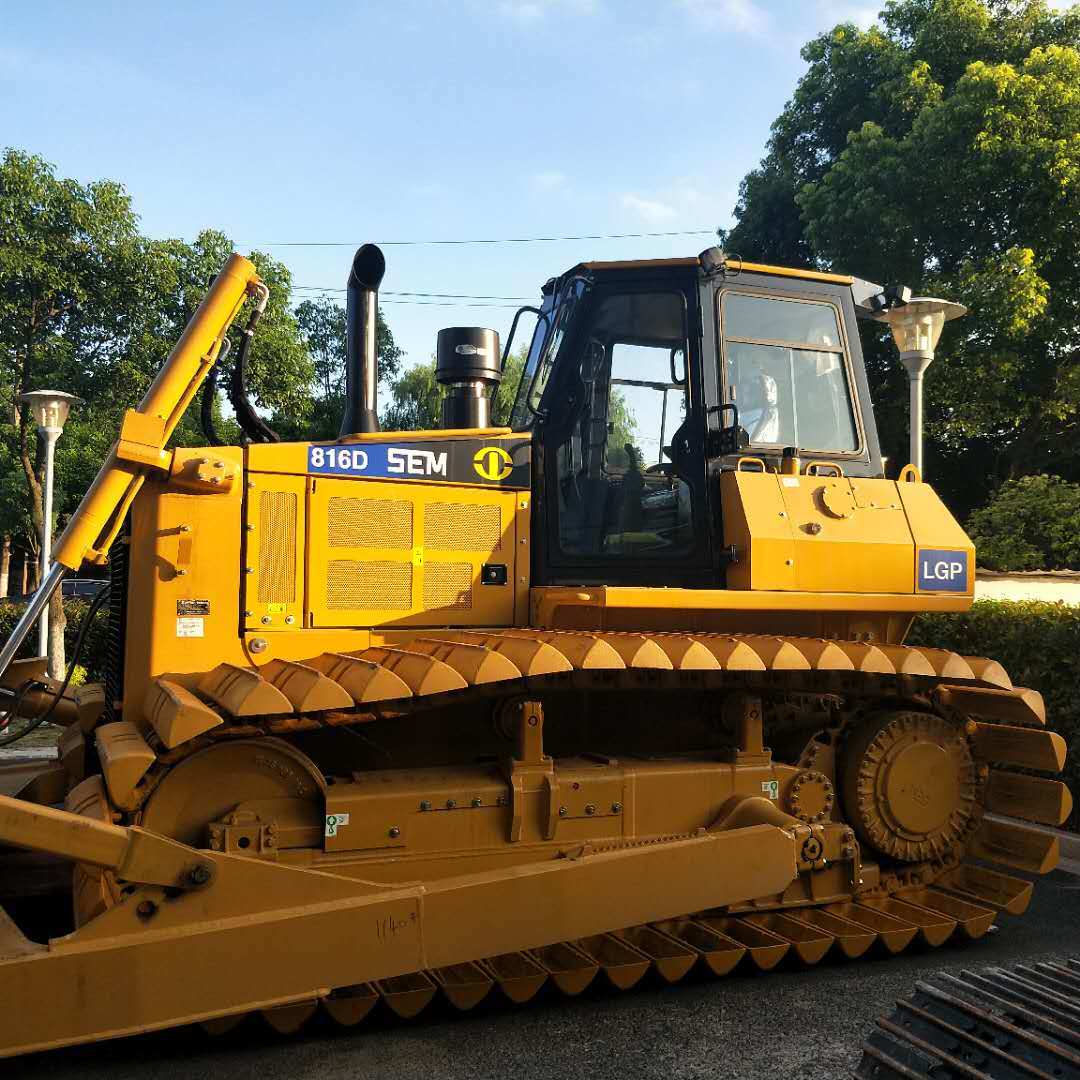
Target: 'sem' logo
493, 463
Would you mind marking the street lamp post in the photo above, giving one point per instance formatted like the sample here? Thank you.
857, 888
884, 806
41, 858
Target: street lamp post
916, 328
49, 409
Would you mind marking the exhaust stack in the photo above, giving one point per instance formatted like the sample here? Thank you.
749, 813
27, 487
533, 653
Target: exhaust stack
361, 363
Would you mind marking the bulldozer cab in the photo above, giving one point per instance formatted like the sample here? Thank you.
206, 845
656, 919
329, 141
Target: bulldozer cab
646, 381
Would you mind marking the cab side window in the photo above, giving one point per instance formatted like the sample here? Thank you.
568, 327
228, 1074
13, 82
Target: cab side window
785, 371
619, 492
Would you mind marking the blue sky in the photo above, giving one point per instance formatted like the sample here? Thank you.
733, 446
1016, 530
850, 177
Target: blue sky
413, 120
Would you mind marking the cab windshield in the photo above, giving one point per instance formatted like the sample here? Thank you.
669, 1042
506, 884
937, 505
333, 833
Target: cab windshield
547, 338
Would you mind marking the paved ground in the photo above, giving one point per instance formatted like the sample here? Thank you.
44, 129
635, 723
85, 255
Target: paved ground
789, 1024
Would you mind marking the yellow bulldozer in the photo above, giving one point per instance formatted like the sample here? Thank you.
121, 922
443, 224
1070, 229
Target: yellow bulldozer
619, 687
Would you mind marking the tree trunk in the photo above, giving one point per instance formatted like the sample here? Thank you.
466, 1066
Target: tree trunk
57, 623
5, 566
25, 573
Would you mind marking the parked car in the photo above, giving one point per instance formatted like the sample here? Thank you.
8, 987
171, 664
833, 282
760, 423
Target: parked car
87, 588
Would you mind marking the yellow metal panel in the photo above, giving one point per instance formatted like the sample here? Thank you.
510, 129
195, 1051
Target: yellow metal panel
849, 535
361, 575
183, 583
756, 523
932, 526
273, 572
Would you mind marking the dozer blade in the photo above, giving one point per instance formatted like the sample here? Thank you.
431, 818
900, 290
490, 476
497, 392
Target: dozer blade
304, 932
719, 953
465, 985
894, 934
622, 964
765, 948
972, 920
992, 888
934, 928
406, 995
808, 943
571, 969
852, 938
351, 1004
670, 957
289, 1019
518, 975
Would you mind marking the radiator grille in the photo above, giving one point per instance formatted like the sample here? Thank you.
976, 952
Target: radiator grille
381, 523
448, 585
277, 547
117, 627
382, 586
462, 527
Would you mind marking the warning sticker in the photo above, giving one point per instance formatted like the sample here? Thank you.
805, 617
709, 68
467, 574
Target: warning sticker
789, 481
189, 626
770, 788
334, 822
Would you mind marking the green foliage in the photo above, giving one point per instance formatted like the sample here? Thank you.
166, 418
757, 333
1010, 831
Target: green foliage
941, 148
1030, 524
95, 648
1039, 646
322, 330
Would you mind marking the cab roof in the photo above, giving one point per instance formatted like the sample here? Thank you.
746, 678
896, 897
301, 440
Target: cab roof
735, 264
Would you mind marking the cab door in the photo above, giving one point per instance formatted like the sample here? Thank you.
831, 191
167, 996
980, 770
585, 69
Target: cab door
622, 435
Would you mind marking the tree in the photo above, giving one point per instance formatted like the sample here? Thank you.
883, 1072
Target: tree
89, 305
1030, 524
322, 329
941, 149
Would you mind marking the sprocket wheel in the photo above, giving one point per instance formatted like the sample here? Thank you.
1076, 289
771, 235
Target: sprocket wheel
909, 784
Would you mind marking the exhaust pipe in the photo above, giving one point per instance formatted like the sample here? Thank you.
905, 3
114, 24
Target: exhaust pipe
361, 369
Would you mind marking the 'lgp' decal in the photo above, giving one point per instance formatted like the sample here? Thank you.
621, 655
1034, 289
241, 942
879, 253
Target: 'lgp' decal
943, 570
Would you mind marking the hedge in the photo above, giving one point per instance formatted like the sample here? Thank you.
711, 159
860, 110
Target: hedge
94, 648
1038, 644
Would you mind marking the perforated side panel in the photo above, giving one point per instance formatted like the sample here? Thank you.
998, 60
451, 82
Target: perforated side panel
448, 585
462, 527
277, 547
381, 523
374, 586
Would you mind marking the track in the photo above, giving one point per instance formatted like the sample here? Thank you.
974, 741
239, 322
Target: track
1020, 1021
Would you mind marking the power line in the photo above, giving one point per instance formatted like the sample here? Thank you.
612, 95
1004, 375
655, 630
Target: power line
503, 240
426, 295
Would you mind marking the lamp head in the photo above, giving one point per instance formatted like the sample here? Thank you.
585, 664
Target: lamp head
49, 408
916, 325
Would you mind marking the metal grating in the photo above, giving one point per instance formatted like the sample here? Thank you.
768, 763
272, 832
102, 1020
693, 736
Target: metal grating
370, 586
277, 547
448, 585
462, 527
1023, 1020
378, 523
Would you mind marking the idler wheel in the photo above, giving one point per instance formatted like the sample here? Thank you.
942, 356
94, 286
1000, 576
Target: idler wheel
909, 784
